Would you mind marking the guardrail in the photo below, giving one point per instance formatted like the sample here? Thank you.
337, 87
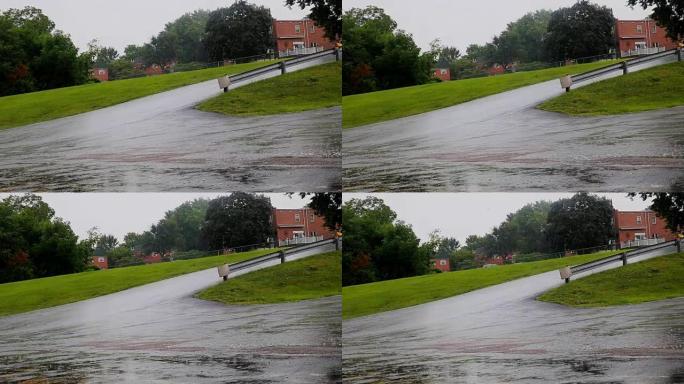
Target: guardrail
282, 254
568, 272
623, 66
282, 66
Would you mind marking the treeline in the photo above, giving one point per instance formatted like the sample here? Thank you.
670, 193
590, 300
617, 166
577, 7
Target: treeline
380, 56
378, 247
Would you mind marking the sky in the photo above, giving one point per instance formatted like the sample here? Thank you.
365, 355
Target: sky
460, 215
123, 22
119, 213
460, 23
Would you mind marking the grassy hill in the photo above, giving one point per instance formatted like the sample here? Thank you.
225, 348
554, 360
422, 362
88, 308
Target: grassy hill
29, 295
28, 108
310, 278
655, 279
654, 88
380, 106
311, 88
367, 299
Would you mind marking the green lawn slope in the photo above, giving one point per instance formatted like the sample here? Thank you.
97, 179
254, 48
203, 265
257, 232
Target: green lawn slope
654, 88
29, 295
310, 278
380, 106
655, 279
367, 299
312, 88
28, 108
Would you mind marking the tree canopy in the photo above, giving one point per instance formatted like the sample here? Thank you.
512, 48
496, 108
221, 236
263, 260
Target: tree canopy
237, 220
582, 221
241, 30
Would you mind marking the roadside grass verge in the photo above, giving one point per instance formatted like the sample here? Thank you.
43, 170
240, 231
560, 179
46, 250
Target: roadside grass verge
650, 280
312, 88
392, 104
650, 89
367, 299
29, 295
29, 108
310, 278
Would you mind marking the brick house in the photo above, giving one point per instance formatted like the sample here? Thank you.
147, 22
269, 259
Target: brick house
443, 74
641, 37
100, 74
441, 264
299, 226
638, 228
100, 261
298, 37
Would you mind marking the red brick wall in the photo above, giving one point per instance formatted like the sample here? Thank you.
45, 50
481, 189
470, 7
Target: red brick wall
101, 74
153, 258
285, 223
310, 35
628, 34
443, 74
441, 264
100, 262
628, 225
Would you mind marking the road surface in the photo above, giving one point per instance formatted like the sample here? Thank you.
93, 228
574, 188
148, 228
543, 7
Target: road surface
161, 143
502, 143
159, 333
501, 334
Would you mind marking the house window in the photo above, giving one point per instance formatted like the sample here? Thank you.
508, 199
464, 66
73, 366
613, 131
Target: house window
314, 44
640, 29
312, 218
442, 262
638, 219
312, 28
298, 28
640, 236
653, 220
654, 29
100, 259
298, 218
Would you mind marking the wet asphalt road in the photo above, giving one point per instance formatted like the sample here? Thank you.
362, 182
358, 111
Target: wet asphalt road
161, 143
502, 143
160, 333
501, 334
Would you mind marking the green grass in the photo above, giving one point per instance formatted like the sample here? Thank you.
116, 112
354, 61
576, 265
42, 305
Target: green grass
655, 279
311, 88
35, 107
646, 90
367, 299
29, 295
380, 106
310, 278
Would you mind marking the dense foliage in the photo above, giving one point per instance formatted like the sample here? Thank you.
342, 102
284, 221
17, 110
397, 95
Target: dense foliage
582, 221
34, 243
238, 219
34, 56
378, 55
240, 30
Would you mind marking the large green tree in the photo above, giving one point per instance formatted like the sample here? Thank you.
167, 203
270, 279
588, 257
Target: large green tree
326, 13
238, 219
583, 30
668, 13
241, 30
582, 221
379, 56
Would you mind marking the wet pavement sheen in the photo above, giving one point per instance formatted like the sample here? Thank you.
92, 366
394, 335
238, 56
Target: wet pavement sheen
161, 143
502, 334
160, 333
502, 143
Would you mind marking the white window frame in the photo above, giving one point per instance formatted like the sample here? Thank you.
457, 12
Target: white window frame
298, 28
298, 218
640, 28
638, 219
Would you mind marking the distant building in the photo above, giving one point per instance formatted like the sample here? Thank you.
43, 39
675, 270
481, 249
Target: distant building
443, 74
101, 74
641, 37
100, 261
441, 263
154, 69
640, 228
299, 37
299, 226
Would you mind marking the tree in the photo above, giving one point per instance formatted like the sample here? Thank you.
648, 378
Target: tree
669, 206
104, 244
582, 221
326, 13
240, 30
238, 219
524, 230
379, 56
583, 30
667, 13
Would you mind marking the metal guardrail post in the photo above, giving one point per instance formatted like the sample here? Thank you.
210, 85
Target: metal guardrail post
624, 259
679, 242
679, 54
625, 68
283, 68
282, 257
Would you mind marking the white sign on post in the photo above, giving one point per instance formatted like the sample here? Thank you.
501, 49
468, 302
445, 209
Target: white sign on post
224, 82
565, 273
223, 270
